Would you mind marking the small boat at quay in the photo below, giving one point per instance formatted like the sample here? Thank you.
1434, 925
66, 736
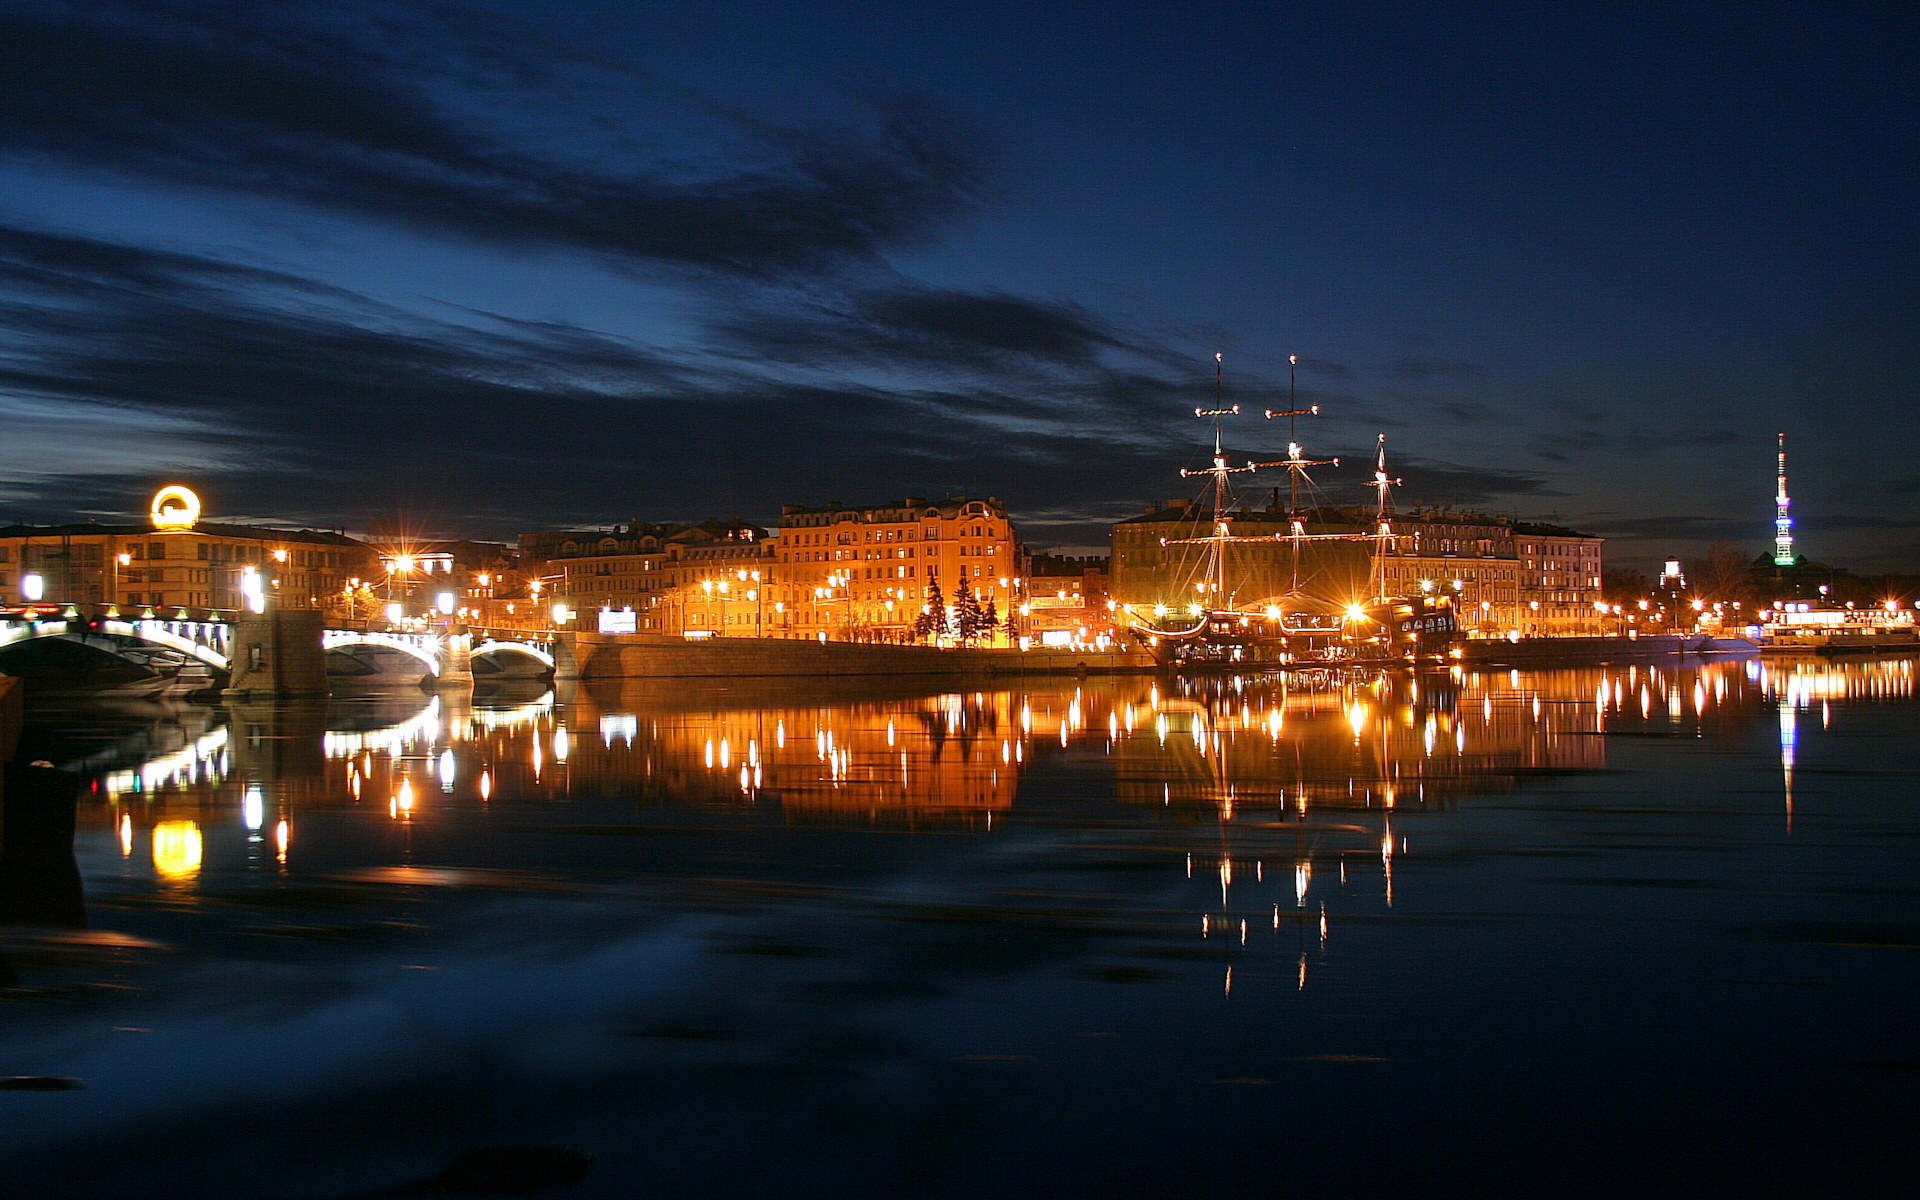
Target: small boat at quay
1800, 628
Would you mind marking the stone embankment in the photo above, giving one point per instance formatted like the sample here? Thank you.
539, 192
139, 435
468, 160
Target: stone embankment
588, 656
1575, 650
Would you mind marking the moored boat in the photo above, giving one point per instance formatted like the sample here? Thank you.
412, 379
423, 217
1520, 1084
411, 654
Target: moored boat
1293, 630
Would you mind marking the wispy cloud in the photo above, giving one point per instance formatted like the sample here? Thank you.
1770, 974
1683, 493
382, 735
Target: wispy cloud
297, 103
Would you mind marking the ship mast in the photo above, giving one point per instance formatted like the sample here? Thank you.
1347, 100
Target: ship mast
1296, 467
1222, 532
1222, 523
1382, 518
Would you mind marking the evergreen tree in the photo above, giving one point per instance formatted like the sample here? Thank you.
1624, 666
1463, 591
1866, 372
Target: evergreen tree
967, 616
932, 621
990, 619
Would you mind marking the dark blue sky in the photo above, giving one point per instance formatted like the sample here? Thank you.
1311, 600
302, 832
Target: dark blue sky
491, 267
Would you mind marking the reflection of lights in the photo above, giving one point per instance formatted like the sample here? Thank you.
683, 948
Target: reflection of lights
486, 785
1357, 718
561, 744
624, 726
282, 838
253, 809
404, 797
126, 836
176, 849
390, 741
446, 770
204, 760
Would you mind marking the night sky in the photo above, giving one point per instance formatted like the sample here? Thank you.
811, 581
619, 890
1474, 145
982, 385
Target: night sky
481, 268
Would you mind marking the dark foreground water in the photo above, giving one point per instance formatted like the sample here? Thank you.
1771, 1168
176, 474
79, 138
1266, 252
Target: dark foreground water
1610, 931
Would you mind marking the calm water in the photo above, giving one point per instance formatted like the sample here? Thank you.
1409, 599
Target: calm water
1572, 932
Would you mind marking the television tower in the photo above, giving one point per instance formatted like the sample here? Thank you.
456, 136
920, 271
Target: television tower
1782, 522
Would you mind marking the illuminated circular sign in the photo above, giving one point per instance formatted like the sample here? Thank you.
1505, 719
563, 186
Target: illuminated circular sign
175, 507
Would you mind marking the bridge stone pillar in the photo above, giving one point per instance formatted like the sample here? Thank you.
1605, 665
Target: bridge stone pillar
456, 664
277, 654
567, 657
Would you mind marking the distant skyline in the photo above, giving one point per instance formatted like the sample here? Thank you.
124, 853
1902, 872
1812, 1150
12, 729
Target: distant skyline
477, 268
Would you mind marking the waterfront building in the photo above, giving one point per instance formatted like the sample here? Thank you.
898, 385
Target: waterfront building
860, 573
705, 578
176, 560
1152, 565
1559, 582
483, 581
1067, 600
1506, 575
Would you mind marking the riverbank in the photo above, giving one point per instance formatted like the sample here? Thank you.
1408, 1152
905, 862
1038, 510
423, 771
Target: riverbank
590, 657
1575, 651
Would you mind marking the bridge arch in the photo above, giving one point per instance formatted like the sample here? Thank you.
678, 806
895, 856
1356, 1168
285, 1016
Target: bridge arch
420, 646
195, 639
502, 652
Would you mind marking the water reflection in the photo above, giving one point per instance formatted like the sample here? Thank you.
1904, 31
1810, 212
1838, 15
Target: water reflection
707, 904
1315, 752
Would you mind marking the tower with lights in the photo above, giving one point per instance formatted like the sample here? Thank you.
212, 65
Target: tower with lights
1782, 521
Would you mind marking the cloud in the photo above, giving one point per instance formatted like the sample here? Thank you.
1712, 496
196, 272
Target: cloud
311, 402
1838, 521
1453, 483
902, 325
299, 104
1422, 370
1681, 529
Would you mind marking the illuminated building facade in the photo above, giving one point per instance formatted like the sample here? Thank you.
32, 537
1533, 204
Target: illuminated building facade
484, 580
1067, 600
707, 577
1149, 567
861, 573
176, 560
1540, 580
1559, 581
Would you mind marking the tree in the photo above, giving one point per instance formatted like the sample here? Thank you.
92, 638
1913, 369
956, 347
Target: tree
1625, 586
989, 619
1725, 575
967, 615
932, 621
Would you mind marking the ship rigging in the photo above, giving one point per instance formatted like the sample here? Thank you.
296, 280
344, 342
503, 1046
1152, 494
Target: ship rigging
1292, 628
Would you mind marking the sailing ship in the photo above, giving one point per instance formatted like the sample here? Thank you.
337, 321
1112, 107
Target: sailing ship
1294, 630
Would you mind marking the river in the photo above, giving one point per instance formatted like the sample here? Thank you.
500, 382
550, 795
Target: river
1582, 931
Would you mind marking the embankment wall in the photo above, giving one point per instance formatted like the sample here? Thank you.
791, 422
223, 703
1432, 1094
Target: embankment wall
589, 657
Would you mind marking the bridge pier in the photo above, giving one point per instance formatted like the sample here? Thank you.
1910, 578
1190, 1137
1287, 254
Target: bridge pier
278, 654
456, 664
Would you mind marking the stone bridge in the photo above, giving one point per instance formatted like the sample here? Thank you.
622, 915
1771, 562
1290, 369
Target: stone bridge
281, 652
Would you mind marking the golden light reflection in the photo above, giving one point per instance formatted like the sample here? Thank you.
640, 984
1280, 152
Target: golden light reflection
176, 850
